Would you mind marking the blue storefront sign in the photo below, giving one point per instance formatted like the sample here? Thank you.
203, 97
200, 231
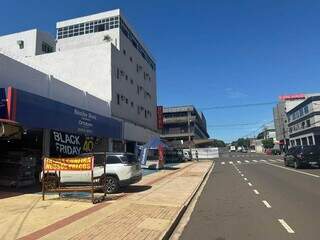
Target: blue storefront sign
33, 111
3, 104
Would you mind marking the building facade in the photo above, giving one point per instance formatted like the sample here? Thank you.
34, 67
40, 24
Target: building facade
101, 56
304, 122
285, 104
183, 123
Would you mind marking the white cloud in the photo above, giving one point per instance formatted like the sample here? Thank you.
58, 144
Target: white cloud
234, 94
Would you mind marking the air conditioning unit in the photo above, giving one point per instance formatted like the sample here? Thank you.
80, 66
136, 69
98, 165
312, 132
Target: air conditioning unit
20, 44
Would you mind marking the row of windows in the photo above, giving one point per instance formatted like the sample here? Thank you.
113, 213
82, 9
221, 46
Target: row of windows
300, 126
104, 25
140, 109
299, 113
302, 142
128, 33
88, 27
146, 76
140, 89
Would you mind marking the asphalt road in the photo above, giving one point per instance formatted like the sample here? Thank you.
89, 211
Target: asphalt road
253, 196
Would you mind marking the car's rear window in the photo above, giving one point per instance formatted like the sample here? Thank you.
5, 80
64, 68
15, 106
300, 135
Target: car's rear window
313, 149
129, 158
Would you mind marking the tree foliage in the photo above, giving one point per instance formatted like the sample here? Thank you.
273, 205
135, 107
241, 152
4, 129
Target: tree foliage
242, 142
218, 143
268, 143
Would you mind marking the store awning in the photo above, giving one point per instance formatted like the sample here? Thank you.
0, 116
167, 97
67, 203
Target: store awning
10, 129
34, 111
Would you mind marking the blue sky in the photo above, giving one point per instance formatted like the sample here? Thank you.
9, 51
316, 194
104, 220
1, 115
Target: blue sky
208, 53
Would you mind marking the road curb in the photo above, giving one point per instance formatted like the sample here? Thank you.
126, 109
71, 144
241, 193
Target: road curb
175, 222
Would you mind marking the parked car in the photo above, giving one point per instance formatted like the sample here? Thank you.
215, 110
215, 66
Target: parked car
302, 156
244, 150
122, 169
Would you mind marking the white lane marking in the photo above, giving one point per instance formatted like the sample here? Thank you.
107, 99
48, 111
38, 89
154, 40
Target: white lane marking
271, 160
256, 191
246, 179
242, 175
293, 170
222, 163
279, 160
286, 226
230, 162
254, 160
250, 184
246, 161
263, 160
239, 162
266, 203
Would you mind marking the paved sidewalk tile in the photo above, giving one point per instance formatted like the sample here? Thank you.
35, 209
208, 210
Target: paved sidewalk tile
143, 215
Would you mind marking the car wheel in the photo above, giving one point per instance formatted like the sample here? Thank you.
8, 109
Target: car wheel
296, 165
112, 185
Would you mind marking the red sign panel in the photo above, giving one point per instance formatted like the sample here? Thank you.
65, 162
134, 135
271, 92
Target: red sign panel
160, 117
292, 97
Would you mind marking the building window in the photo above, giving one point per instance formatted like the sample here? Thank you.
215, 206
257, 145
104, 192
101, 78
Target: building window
308, 123
145, 113
118, 99
138, 89
46, 48
131, 81
126, 77
310, 138
131, 59
20, 44
127, 100
124, 52
132, 105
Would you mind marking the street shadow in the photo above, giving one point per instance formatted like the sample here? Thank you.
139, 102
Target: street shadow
135, 188
7, 192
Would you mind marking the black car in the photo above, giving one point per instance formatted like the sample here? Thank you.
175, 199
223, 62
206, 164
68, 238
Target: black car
302, 156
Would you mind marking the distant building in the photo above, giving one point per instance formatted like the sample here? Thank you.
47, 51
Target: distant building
304, 122
285, 104
268, 132
176, 127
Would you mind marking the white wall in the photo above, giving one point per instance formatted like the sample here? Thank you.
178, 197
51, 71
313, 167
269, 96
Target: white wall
124, 87
86, 68
137, 133
9, 43
18, 75
86, 40
32, 42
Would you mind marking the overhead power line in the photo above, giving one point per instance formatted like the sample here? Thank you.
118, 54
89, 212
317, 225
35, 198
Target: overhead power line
233, 124
237, 106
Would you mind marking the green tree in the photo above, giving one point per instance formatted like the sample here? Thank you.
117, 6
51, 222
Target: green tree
268, 143
218, 143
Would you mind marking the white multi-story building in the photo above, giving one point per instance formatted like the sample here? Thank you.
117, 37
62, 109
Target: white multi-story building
304, 122
100, 55
281, 121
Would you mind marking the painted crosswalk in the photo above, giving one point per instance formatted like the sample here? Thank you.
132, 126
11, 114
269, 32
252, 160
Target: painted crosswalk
254, 161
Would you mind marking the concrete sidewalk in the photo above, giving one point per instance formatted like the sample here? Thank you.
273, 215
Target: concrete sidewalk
147, 212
